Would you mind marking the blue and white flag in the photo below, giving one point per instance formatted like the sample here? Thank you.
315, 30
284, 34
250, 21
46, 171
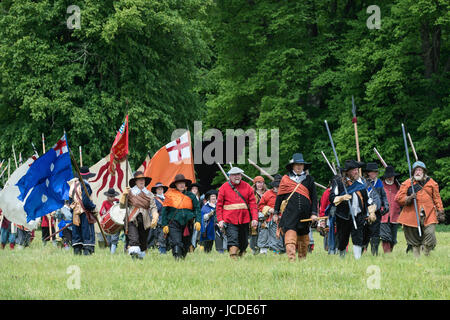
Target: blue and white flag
44, 187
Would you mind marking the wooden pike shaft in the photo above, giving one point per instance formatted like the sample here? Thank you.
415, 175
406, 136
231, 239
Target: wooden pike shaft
380, 158
412, 147
15, 159
264, 172
81, 157
221, 169
328, 162
51, 235
43, 144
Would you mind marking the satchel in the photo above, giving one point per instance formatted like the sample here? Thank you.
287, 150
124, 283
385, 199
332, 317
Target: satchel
284, 203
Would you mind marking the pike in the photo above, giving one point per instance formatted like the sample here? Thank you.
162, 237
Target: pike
34, 149
15, 159
379, 157
340, 174
81, 157
328, 162
264, 172
355, 125
412, 147
412, 181
221, 169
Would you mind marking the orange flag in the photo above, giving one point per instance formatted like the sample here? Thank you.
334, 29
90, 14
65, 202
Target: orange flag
172, 159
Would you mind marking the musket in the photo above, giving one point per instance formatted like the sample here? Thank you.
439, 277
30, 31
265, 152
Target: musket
328, 162
343, 182
77, 170
379, 157
412, 181
320, 218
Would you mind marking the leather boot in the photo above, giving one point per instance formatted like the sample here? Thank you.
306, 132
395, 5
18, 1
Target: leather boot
290, 241
3, 245
233, 252
303, 243
374, 243
426, 250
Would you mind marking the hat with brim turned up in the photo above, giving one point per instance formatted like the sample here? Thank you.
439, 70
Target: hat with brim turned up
139, 175
389, 172
297, 158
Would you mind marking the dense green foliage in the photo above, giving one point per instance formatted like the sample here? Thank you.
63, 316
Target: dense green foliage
232, 64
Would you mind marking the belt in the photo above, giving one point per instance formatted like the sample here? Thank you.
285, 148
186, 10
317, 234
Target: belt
235, 206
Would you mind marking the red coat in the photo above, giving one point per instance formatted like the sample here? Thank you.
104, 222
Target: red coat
227, 197
268, 199
394, 208
44, 222
106, 206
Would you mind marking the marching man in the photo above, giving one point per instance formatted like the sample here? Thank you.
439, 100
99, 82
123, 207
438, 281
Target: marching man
235, 208
429, 205
141, 204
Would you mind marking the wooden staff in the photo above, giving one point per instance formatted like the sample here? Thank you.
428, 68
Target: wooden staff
43, 144
49, 218
355, 125
81, 157
1, 164
379, 157
412, 147
15, 159
9, 167
261, 170
319, 218
77, 170
328, 162
3, 172
126, 198
66, 226
221, 169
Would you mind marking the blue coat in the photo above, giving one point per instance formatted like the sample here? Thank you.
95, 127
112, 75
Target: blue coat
207, 227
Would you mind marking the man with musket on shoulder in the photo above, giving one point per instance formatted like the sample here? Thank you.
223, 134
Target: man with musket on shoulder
142, 216
352, 207
235, 208
296, 200
429, 205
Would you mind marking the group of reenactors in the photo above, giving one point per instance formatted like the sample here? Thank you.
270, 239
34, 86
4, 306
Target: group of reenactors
364, 207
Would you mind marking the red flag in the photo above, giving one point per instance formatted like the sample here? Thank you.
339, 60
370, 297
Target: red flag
119, 149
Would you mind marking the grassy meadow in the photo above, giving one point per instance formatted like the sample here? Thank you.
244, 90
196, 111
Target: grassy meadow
40, 272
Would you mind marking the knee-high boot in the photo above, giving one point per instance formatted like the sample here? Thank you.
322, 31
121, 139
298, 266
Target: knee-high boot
303, 243
290, 240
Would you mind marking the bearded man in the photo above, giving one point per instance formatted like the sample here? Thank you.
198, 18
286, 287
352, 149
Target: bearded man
429, 205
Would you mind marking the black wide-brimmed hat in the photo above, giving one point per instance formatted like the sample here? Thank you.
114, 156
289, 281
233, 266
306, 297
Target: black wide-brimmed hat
85, 174
352, 164
111, 193
389, 173
195, 184
159, 185
297, 158
180, 178
139, 175
276, 182
371, 167
210, 193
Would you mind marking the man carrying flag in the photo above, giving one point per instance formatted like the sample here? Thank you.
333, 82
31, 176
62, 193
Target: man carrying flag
44, 187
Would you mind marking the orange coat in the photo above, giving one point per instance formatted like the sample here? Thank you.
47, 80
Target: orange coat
428, 198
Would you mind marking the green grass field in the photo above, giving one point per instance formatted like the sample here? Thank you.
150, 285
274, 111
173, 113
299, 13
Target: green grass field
47, 272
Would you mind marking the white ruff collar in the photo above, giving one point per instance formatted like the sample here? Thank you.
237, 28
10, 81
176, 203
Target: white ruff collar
135, 191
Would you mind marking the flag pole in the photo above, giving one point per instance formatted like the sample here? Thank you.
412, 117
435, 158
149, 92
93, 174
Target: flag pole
126, 179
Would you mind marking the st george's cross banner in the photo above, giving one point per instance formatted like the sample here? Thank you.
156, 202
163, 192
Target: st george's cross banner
172, 159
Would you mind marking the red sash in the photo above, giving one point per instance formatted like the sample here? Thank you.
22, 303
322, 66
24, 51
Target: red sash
287, 185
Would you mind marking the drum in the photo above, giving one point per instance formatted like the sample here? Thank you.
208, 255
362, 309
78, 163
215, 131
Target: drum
112, 222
